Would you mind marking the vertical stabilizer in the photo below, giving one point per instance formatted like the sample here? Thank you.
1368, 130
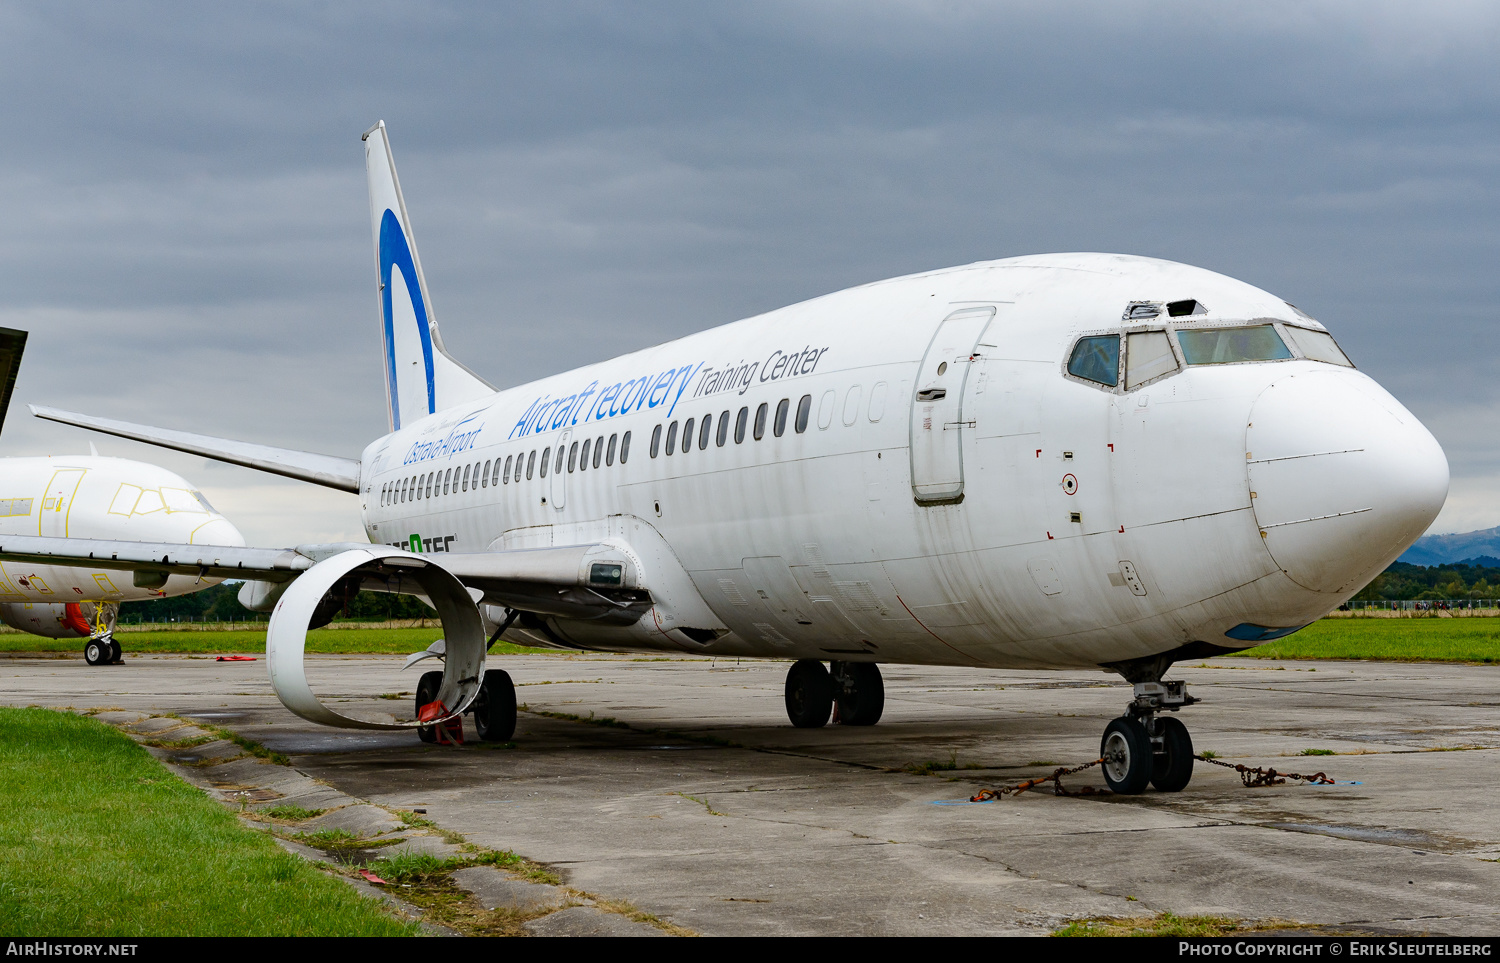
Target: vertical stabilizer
420, 376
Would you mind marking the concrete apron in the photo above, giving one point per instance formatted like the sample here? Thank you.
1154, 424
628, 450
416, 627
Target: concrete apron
688, 794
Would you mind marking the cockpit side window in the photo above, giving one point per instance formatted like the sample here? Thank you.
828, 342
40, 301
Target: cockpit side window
1097, 359
1255, 342
1319, 346
1148, 355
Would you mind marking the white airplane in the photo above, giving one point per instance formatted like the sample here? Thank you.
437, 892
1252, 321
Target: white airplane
1094, 460
88, 496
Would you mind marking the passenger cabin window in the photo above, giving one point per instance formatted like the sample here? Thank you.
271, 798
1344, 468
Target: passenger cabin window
687, 437
598, 450
655, 441
625, 445
672, 436
1097, 360
760, 420
1148, 354
804, 409
546, 460
1256, 342
573, 454
1319, 346
739, 425
609, 458
506, 474
703, 431
779, 427
723, 435
557, 469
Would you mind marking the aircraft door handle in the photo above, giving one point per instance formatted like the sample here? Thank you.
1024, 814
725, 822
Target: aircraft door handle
932, 394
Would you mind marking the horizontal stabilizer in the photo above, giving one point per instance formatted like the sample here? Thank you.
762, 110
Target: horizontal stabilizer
327, 470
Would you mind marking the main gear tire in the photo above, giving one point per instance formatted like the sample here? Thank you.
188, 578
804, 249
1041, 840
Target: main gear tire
495, 707
809, 694
427, 690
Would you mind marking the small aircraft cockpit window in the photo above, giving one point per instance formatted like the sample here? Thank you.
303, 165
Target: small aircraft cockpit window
1148, 354
198, 495
1255, 342
1319, 346
1097, 360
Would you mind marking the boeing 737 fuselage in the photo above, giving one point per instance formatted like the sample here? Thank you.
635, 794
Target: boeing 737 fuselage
1054, 461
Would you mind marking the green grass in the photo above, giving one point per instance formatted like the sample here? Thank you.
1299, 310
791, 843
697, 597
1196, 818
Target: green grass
327, 641
1390, 640
1164, 924
100, 840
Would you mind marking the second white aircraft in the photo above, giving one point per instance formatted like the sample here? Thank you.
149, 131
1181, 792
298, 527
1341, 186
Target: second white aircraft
1056, 461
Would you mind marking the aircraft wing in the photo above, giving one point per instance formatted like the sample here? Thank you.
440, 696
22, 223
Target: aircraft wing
575, 581
328, 470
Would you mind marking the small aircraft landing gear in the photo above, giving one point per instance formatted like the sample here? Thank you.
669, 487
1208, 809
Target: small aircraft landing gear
99, 651
1143, 747
494, 709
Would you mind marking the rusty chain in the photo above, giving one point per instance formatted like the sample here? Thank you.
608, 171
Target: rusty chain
1253, 778
1250, 776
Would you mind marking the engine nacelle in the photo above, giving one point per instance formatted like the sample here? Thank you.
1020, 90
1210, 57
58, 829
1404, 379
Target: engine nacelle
58, 620
306, 600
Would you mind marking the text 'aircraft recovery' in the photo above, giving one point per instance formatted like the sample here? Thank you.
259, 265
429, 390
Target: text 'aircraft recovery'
1055, 461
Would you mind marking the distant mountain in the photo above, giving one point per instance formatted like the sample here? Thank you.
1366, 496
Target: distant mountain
1446, 549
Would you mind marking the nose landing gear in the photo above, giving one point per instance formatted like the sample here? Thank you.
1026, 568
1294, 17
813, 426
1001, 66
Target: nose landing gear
1141, 747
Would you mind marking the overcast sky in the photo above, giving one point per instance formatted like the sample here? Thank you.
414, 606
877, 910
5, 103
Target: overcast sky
184, 226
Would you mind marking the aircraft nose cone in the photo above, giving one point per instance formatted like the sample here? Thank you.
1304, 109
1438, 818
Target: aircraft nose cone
1342, 477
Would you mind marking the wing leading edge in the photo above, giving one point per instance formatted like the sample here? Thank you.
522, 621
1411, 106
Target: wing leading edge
330, 471
593, 581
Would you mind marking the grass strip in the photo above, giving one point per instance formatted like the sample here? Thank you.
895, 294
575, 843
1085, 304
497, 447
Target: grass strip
99, 839
1390, 640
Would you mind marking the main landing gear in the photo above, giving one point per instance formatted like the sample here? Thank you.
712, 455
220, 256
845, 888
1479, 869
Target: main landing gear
813, 693
493, 710
1143, 747
102, 650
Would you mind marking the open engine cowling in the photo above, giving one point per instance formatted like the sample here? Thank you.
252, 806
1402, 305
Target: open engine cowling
377, 568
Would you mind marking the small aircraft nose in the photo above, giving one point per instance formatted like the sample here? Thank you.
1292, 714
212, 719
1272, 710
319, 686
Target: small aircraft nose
218, 531
1342, 477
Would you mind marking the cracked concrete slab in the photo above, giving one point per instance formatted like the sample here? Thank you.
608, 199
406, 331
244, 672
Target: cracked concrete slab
698, 802
359, 819
494, 889
588, 921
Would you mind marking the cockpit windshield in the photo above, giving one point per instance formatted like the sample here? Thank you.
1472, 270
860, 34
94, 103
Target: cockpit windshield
1256, 342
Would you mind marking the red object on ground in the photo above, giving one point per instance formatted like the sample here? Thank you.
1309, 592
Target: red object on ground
73, 618
235, 658
372, 877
